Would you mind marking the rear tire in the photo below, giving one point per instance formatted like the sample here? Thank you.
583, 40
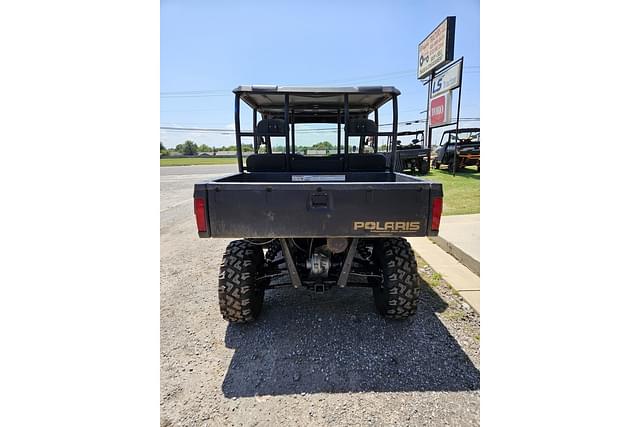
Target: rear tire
397, 297
239, 293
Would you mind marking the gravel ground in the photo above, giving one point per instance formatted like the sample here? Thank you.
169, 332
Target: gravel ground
312, 359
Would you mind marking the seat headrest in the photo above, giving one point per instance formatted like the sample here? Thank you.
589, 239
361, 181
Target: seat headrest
361, 127
272, 127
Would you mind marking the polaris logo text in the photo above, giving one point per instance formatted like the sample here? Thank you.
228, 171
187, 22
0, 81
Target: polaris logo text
381, 227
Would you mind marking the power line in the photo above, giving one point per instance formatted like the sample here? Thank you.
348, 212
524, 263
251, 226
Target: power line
195, 95
192, 92
197, 110
231, 131
196, 129
361, 79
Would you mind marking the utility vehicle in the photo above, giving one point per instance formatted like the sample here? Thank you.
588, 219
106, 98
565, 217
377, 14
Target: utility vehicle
316, 222
465, 143
413, 155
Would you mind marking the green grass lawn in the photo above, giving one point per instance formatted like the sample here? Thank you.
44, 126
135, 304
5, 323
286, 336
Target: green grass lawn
186, 161
461, 192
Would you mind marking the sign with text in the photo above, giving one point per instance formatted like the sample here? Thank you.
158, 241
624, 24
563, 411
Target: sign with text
440, 110
447, 80
437, 48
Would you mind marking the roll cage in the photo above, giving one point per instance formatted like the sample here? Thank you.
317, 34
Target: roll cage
281, 107
452, 135
419, 137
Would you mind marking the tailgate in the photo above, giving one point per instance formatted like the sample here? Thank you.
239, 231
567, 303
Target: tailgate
321, 209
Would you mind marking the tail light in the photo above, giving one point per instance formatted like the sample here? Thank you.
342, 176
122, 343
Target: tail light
199, 210
436, 212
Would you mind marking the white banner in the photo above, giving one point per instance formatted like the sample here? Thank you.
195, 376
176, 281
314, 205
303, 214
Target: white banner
446, 81
432, 51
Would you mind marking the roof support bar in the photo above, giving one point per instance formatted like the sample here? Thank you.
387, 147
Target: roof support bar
338, 120
238, 142
375, 137
293, 132
345, 163
394, 133
255, 137
286, 138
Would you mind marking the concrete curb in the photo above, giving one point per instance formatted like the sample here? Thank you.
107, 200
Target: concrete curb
464, 258
458, 276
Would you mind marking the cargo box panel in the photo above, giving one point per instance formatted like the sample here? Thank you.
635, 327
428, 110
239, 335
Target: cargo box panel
279, 204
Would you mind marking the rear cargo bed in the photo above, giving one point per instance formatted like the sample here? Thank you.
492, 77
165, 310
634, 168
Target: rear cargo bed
285, 204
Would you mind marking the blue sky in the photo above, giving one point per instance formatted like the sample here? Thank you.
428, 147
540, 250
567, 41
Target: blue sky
209, 48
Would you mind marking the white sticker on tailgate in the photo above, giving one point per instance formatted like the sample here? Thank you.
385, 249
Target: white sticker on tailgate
317, 177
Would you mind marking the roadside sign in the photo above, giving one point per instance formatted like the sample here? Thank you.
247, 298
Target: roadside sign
437, 48
447, 80
440, 110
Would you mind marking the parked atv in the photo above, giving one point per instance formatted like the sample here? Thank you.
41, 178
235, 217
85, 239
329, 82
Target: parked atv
410, 155
465, 143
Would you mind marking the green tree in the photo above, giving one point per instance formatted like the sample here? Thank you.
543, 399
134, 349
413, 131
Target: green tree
189, 148
324, 145
163, 151
204, 148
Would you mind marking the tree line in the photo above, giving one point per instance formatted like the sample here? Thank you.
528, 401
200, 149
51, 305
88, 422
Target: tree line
190, 148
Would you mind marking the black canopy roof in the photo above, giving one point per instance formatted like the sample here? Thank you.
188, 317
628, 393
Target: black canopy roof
315, 104
462, 130
410, 132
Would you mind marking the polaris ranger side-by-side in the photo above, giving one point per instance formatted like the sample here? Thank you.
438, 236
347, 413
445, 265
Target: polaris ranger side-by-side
316, 222
465, 143
413, 155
